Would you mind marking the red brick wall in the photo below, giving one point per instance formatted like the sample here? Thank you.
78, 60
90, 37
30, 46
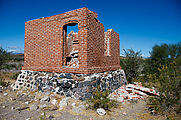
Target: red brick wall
95, 48
44, 44
114, 54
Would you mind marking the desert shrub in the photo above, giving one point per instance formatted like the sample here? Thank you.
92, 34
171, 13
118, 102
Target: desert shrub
19, 66
11, 66
132, 64
3, 83
15, 75
8, 66
168, 83
161, 55
4, 56
100, 99
16, 57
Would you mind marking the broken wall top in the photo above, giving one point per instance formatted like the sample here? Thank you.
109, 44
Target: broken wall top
59, 17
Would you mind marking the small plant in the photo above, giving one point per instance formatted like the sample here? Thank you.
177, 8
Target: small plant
43, 117
100, 99
15, 75
55, 80
3, 83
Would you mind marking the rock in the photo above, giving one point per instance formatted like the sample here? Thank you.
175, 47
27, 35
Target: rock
12, 99
12, 108
81, 78
74, 52
79, 109
73, 86
57, 89
26, 102
67, 84
27, 119
52, 108
73, 104
43, 114
51, 117
120, 99
33, 107
22, 108
1, 89
153, 112
42, 106
101, 111
5, 94
63, 103
3, 106
53, 101
68, 76
24, 94
45, 98
124, 113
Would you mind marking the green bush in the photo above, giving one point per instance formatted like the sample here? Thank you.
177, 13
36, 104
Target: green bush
100, 99
161, 55
8, 66
168, 83
4, 56
132, 64
3, 83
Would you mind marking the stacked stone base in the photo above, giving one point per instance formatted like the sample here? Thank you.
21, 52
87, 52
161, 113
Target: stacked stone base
78, 86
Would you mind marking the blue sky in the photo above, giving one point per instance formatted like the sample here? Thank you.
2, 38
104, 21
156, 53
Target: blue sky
140, 23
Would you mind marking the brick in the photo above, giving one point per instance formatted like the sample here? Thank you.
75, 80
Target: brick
47, 45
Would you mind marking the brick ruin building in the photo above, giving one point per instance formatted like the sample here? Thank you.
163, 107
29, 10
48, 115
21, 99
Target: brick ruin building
49, 47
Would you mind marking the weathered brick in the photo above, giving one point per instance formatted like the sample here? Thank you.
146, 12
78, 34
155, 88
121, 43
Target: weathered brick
46, 49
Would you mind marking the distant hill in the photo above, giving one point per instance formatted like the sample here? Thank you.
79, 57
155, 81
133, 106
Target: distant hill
17, 57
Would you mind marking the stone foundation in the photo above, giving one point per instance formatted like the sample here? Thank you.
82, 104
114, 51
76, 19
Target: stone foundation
78, 86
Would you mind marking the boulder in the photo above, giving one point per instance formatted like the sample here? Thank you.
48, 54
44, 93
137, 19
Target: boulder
73, 104
45, 98
63, 103
22, 108
53, 101
33, 107
43, 106
79, 109
101, 111
1, 88
26, 102
5, 94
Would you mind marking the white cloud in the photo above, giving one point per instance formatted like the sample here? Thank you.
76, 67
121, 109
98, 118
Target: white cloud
145, 56
15, 49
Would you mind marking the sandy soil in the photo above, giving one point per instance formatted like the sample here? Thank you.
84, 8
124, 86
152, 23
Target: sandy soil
128, 111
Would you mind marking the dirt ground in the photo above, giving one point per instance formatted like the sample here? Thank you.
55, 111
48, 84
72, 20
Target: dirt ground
13, 107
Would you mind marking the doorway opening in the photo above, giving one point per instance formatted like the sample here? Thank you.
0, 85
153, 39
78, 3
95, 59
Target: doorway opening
70, 45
